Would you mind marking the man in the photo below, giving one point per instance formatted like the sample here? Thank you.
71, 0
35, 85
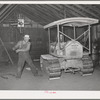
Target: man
22, 48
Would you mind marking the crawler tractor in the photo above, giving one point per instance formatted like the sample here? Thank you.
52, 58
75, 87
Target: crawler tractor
70, 49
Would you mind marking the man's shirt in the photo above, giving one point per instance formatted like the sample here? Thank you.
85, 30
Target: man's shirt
22, 45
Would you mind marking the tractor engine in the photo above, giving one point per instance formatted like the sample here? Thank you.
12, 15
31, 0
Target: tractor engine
75, 59
73, 53
73, 50
72, 57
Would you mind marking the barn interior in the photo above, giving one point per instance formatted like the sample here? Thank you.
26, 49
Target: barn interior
36, 16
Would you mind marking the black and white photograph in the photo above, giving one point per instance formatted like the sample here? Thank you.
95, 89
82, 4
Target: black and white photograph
49, 47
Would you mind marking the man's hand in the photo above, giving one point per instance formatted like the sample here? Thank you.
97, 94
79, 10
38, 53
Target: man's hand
18, 50
13, 48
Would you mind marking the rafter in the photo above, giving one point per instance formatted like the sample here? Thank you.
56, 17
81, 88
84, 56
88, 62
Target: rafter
86, 10
75, 11
34, 16
3, 10
46, 13
43, 11
55, 12
61, 9
7, 12
52, 11
96, 10
34, 12
58, 10
68, 12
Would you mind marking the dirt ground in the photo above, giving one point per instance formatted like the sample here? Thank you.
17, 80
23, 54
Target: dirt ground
67, 81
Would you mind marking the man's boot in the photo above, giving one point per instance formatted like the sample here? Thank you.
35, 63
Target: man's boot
18, 76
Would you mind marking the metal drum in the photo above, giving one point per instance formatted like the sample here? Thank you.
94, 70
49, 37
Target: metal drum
95, 57
94, 54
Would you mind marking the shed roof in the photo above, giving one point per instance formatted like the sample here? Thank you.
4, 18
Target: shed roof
47, 13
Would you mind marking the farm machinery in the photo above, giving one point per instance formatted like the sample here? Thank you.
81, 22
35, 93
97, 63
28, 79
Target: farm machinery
70, 47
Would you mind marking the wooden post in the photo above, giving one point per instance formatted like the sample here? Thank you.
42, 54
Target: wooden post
74, 33
63, 32
58, 36
89, 40
49, 38
62, 29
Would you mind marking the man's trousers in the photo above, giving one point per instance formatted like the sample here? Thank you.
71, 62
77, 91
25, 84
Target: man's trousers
25, 57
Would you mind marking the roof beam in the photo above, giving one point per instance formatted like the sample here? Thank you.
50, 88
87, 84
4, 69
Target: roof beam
68, 12
86, 10
1, 5
58, 10
75, 12
96, 10
5, 14
52, 11
44, 11
34, 16
3, 10
34, 12
61, 9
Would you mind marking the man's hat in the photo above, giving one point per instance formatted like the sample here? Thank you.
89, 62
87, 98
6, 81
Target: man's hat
27, 36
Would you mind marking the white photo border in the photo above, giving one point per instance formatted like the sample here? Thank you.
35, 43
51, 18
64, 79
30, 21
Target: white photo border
19, 94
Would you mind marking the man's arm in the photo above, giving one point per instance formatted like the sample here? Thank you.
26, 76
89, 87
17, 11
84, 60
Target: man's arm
16, 46
26, 49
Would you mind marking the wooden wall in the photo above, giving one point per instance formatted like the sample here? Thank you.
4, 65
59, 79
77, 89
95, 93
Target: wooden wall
11, 35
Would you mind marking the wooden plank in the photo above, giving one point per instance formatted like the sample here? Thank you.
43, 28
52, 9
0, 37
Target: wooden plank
86, 10
95, 10
34, 16
6, 14
43, 13
35, 12
53, 12
68, 12
60, 10
1, 5
75, 11
49, 38
5, 9
47, 11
